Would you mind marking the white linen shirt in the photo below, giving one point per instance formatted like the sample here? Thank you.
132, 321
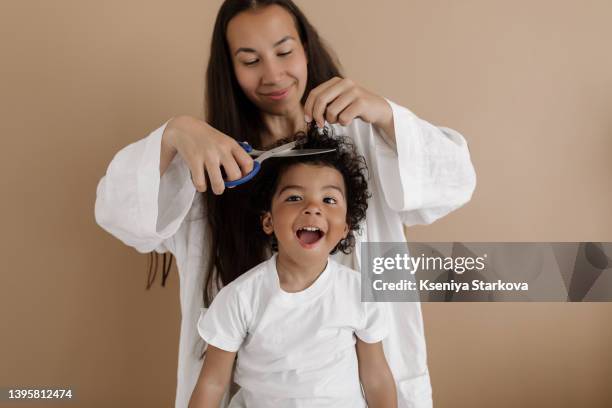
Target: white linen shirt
424, 177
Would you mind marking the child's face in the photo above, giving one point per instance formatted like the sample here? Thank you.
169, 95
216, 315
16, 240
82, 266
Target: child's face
308, 197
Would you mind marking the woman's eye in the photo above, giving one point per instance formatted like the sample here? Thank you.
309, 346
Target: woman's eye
330, 200
247, 63
282, 54
294, 198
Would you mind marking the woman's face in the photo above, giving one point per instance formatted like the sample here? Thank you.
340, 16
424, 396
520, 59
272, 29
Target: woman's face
268, 57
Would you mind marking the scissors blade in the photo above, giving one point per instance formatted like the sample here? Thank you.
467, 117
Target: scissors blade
302, 152
285, 147
276, 150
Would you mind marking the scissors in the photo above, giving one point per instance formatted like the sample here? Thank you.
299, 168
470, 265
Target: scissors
286, 150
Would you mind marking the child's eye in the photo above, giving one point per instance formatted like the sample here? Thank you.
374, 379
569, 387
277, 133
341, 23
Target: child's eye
293, 198
330, 200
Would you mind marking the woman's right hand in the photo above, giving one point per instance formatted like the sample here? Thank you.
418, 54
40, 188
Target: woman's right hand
205, 150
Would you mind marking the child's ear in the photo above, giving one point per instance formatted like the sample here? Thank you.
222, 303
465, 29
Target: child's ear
266, 223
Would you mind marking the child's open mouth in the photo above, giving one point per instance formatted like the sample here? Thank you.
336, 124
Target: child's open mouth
309, 236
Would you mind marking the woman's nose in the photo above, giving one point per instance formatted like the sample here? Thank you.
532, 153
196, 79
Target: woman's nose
272, 73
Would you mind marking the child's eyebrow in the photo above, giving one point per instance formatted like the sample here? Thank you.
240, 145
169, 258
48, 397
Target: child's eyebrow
297, 187
334, 187
289, 187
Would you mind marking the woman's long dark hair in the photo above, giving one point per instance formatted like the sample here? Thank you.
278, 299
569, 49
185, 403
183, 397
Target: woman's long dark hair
234, 244
234, 247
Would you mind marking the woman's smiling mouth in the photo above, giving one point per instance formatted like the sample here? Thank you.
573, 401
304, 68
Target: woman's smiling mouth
278, 95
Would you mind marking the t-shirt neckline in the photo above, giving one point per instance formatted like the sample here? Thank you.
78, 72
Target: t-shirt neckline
314, 290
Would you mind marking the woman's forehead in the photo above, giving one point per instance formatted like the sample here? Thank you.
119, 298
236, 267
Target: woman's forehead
261, 28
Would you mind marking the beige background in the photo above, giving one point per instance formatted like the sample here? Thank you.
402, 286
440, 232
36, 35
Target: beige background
527, 82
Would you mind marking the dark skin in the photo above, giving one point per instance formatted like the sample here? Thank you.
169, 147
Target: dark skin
305, 195
214, 378
375, 375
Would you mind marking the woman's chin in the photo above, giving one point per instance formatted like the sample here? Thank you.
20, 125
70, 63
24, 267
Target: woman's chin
281, 108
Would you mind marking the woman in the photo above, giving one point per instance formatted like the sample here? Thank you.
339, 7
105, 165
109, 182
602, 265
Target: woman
268, 75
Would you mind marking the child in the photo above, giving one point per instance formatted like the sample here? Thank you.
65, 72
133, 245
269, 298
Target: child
302, 335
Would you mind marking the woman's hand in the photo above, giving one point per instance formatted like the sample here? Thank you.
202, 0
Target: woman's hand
205, 150
340, 100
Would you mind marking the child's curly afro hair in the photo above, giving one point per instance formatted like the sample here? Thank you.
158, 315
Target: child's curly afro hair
344, 159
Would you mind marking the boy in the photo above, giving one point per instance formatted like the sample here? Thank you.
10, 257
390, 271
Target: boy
302, 335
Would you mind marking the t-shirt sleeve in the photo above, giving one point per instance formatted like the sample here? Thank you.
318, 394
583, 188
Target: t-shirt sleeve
224, 324
375, 321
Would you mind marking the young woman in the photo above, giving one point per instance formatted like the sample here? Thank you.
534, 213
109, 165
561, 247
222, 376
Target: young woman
268, 75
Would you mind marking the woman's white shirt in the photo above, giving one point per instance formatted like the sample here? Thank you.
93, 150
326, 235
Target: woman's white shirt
426, 175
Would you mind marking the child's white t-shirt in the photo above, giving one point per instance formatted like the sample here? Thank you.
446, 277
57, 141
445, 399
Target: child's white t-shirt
294, 349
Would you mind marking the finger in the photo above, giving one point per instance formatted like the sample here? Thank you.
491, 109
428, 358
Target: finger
312, 96
197, 176
214, 176
326, 97
350, 113
338, 105
244, 161
353, 111
231, 168
308, 105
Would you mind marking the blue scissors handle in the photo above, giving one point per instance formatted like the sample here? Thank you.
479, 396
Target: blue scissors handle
285, 150
256, 166
252, 173
246, 146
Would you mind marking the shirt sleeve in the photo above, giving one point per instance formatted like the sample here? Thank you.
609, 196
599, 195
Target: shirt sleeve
135, 204
428, 173
224, 324
375, 322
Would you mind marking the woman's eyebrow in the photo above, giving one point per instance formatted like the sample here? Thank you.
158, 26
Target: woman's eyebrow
282, 40
276, 44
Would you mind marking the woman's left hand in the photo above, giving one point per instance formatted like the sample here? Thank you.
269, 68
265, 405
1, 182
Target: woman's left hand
340, 100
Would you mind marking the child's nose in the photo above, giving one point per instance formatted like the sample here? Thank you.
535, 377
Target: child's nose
312, 209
